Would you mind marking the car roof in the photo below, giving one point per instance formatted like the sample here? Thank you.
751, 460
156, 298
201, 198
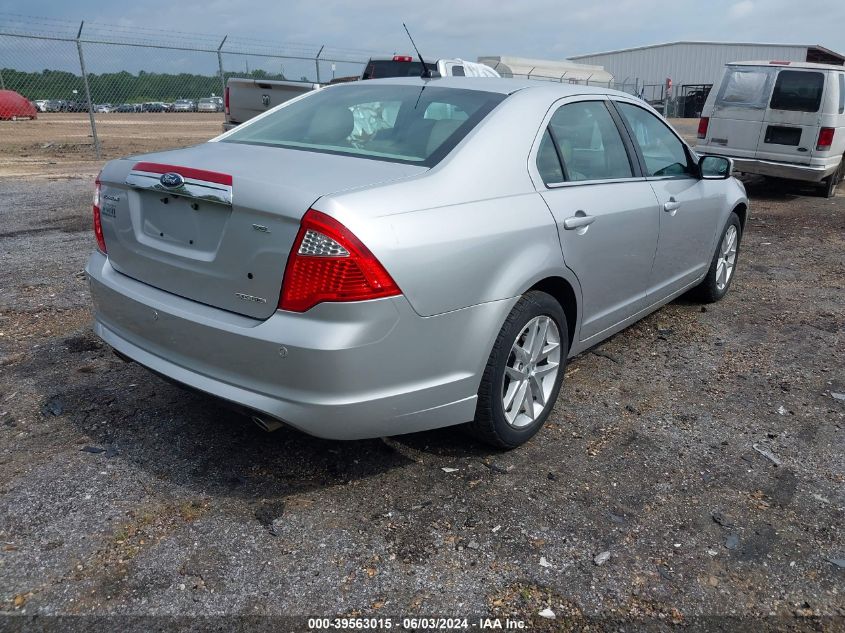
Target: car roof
788, 64
492, 84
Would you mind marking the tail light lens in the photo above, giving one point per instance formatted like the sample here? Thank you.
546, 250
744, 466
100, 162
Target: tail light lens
703, 124
825, 138
226, 100
328, 263
98, 225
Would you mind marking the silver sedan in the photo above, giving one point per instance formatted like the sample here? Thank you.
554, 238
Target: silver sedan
389, 256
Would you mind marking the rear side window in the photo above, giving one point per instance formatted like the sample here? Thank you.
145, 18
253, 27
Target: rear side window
798, 91
745, 88
458, 71
548, 162
588, 142
841, 93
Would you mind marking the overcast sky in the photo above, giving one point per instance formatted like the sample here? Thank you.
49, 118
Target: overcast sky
468, 28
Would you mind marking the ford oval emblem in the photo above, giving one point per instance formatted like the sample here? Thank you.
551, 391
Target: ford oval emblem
171, 180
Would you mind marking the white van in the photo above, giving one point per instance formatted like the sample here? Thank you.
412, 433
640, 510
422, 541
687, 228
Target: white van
779, 119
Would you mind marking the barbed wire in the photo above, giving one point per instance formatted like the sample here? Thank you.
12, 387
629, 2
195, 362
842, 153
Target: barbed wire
38, 26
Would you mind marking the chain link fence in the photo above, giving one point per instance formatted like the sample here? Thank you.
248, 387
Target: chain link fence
89, 82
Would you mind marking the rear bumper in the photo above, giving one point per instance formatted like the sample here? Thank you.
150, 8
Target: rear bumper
775, 169
339, 371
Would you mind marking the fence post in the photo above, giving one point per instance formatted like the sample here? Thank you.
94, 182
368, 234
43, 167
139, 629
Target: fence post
317, 62
87, 91
220, 66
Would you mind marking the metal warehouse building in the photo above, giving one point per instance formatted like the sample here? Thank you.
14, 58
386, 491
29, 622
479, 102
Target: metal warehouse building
694, 66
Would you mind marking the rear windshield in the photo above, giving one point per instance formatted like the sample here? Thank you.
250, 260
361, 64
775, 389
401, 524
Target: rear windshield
405, 124
385, 68
797, 90
745, 88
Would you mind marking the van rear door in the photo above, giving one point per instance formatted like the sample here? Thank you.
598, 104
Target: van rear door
791, 123
738, 111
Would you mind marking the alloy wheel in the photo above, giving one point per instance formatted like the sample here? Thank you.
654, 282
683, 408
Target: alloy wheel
727, 258
531, 371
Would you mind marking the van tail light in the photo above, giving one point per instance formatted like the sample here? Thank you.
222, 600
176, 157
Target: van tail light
825, 139
328, 263
402, 58
703, 124
98, 225
226, 100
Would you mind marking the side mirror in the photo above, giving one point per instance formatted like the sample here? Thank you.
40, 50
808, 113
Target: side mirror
715, 168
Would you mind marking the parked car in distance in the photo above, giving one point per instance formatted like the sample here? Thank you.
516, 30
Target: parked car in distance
54, 105
41, 105
208, 105
125, 107
153, 106
184, 105
779, 119
389, 256
104, 108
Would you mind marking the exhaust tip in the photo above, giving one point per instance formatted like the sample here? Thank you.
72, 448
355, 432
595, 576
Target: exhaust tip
267, 425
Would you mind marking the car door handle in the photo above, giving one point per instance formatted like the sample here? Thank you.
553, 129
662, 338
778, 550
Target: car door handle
578, 220
672, 205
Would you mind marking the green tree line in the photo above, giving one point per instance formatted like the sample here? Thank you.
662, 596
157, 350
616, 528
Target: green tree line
120, 87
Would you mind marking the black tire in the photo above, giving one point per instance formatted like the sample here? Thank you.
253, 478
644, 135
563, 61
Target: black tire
708, 291
490, 424
830, 183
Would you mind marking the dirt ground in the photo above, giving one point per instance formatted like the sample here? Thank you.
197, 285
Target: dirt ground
691, 475
60, 143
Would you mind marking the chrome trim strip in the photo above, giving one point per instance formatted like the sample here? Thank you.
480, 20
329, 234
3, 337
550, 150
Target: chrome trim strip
198, 189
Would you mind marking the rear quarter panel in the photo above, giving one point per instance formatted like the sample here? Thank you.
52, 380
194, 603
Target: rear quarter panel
473, 229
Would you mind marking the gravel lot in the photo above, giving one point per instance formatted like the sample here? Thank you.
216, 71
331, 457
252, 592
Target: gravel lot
701, 448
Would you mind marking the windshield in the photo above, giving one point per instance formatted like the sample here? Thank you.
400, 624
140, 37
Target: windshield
407, 124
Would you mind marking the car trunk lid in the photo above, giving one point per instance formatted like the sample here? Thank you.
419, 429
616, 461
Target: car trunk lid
221, 231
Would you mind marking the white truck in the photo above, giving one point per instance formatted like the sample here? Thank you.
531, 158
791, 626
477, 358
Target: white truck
246, 98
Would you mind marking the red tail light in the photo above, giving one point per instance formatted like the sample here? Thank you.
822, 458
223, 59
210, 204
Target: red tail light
226, 100
402, 58
328, 263
703, 124
98, 225
825, 138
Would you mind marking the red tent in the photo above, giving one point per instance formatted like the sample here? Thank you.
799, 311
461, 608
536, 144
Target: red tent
15, 106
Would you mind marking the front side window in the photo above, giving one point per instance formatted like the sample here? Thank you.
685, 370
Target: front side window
745, 88
663, 152
398, 123
797, 90
588, 143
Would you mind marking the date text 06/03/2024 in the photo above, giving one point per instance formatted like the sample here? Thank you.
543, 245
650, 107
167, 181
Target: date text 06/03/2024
415, 623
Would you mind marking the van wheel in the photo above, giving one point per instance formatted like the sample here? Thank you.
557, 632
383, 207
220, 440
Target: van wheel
830, 183
523, 375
